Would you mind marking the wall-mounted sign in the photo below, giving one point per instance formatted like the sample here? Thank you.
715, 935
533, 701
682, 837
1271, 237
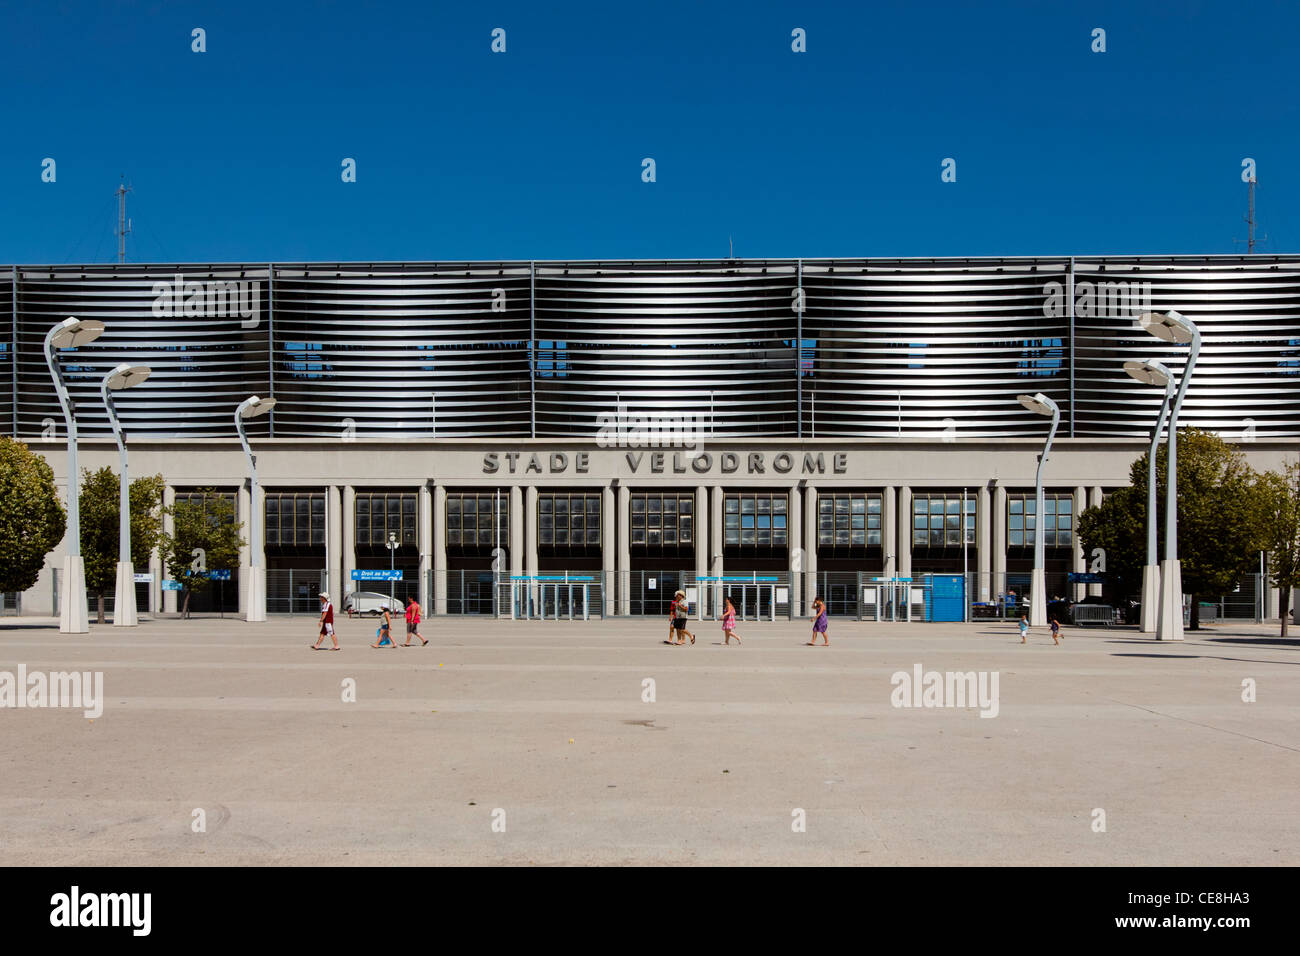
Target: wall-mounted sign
172, 586
1080, 577
143, 578
380, 575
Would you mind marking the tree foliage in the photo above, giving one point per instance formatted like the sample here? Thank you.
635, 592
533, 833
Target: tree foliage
32, 518
1220, 528
100, 506
208, 528
1279, 504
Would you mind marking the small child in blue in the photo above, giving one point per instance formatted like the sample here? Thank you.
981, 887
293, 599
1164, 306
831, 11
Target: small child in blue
1024, 629
820, 625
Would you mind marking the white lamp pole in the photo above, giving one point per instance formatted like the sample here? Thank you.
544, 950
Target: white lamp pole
1173, 327
1041, 405
124, 611
71, 333
251, 407
1152, 373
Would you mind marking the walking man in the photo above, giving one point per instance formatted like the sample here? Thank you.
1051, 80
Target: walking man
413, 622
326, 623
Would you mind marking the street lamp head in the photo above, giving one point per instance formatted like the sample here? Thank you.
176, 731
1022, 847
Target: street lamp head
1169, 326
73, 332
1149, 372
253, 406
1039, 404
127, 376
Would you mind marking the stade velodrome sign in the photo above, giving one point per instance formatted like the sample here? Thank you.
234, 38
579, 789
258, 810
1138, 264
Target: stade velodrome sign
694, 462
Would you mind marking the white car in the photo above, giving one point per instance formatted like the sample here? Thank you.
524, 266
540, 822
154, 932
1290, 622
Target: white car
367, 602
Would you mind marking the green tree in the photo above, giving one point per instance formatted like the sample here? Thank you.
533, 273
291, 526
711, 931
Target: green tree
205, 535
1279, 503
100, 505
1219, 519
1118, 527
32, 519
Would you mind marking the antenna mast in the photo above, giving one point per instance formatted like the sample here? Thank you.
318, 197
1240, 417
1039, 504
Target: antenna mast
123, 225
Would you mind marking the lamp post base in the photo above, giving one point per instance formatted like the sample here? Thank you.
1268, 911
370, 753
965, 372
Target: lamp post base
1150, 598
1038, 599
1169, 626
256, 595
74, 617
124, 613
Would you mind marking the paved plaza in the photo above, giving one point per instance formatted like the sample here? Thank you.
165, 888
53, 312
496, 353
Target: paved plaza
541, 729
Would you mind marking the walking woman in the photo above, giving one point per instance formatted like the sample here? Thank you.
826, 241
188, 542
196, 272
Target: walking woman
326, 623
729, 623
820, 624
385, 633
680, 610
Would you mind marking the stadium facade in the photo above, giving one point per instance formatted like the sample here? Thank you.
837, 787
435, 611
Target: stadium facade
644, 425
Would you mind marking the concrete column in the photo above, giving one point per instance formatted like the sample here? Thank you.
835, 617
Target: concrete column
888, 531
716, 540
1094, 590
530, 539
424, 519
998, 519
904, 532
715, 530
1077, 563
701, 541
348, 527
245, 508
169, 527
794, 534
516, 530
439, 559
609, 575
338, 585
983, 543
623, 568
810, 543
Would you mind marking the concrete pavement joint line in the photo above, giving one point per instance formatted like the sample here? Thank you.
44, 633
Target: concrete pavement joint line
1197, 723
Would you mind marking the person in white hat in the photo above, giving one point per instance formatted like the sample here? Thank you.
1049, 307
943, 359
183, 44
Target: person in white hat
326, 623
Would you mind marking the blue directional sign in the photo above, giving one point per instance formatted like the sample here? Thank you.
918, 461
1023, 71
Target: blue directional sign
1079, 577
220, 574
172, 586
381, 575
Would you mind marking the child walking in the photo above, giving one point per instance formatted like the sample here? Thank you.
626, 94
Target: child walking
326, 623
1056, 631
729, 623
385, 633
820, 623
1024, 629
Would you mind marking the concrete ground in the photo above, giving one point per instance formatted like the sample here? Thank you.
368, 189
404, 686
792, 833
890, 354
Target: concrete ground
542, 727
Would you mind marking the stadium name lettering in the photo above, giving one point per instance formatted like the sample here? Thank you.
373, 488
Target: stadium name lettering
678, 463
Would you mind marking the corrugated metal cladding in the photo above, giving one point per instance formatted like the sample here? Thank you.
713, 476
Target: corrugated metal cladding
785, 348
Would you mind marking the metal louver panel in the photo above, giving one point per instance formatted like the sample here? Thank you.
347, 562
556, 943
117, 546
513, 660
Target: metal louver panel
1247, 379
931, 349
416, 350
710, 340
206, 342
882, 348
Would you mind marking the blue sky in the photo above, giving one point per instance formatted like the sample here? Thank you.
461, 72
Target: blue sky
536, 153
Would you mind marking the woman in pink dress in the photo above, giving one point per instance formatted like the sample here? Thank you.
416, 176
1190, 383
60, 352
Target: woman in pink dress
729, 623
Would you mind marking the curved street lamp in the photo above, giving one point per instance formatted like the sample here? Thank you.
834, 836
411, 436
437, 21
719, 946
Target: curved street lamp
1040, 404
1151, 372
1172, 327
251, 407
71, 333
124, 610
